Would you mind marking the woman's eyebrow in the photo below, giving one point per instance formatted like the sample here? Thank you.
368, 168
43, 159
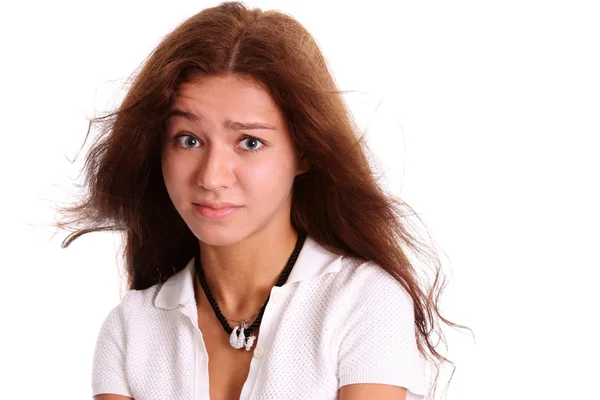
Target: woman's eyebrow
229, 124
238, 126
179, 113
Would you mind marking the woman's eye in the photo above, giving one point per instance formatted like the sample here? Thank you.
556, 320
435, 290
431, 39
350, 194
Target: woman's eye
186, 141
252, 144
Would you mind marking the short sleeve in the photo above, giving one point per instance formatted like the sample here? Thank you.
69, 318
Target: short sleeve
108, 368
378, 342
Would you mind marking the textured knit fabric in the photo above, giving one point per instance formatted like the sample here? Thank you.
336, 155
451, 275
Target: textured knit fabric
336, 321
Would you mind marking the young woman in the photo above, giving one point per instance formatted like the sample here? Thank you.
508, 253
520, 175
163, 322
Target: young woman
264, 259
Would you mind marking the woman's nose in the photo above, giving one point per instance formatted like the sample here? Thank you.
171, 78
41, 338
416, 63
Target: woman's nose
216, 169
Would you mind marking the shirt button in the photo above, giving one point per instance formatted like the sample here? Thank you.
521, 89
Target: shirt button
277, 297
259, 352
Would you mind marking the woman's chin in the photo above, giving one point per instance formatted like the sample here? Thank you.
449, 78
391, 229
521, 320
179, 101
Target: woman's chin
219, 236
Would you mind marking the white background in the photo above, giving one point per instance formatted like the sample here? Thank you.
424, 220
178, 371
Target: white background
489, 128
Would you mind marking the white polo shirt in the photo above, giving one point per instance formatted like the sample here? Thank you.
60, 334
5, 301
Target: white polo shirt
336, 321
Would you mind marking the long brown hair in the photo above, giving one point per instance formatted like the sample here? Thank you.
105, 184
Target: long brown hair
339, 201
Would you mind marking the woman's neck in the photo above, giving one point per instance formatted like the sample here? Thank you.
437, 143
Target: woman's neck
241, 276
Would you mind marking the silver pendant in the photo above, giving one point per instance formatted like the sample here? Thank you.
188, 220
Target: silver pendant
238, 341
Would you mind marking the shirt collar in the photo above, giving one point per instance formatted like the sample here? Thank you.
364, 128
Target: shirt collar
313, 261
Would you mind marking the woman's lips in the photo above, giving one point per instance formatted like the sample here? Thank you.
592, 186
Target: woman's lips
215, 213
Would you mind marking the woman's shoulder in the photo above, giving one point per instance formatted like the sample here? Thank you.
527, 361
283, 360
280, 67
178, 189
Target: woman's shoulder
369, 279
376, 329
135, 301
361, 289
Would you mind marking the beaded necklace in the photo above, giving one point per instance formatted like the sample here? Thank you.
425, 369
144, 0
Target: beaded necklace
243, 338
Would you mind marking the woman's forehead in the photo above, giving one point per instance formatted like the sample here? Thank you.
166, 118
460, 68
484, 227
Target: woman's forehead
232, 96
223, 84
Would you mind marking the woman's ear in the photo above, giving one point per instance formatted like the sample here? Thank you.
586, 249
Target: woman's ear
303, 165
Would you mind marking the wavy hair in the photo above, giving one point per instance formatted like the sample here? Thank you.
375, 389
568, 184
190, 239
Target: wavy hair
338, 202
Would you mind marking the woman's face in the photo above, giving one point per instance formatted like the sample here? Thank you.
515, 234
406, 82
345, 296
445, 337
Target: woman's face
226, 141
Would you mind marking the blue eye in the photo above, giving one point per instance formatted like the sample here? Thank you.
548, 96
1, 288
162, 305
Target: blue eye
188, 140
254, 144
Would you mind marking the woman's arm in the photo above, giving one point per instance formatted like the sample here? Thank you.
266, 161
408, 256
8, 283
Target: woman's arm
109, 375
368, 391
378, 356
